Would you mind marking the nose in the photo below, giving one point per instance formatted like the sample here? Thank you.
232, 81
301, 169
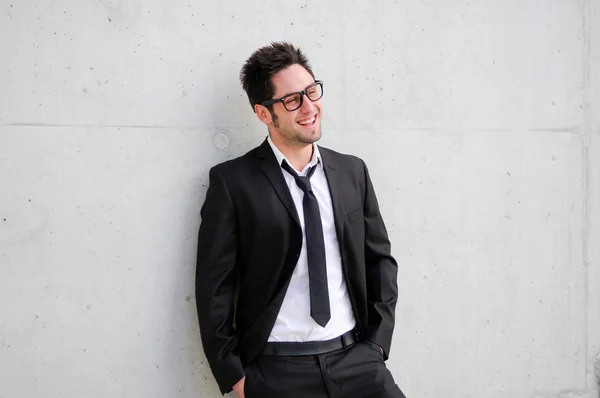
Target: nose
307, 104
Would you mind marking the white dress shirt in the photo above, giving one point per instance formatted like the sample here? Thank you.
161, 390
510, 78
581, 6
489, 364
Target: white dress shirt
294, 322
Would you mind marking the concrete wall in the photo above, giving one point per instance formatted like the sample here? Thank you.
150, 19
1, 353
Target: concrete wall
480, 124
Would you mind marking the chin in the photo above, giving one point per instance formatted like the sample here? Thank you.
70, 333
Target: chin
313, 136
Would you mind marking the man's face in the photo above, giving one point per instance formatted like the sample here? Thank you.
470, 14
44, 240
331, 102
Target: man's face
303, 125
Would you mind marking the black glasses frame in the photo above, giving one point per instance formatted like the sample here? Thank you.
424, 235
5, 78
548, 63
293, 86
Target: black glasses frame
302, 94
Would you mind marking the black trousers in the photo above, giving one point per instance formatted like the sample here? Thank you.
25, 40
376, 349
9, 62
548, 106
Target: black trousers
354, 372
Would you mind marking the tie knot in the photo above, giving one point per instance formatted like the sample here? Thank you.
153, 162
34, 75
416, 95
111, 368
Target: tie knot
303, 182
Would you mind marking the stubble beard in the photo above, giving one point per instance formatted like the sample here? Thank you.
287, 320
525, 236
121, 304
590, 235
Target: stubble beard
294, 138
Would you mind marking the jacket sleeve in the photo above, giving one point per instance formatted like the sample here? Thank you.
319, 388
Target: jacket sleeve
381, 273
216, 276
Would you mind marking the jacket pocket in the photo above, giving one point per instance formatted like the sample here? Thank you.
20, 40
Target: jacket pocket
355, 214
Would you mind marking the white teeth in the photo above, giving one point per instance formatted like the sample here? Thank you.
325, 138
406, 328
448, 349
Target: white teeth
308, 121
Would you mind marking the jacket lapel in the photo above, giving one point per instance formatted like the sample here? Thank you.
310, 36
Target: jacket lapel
273, 172
335, 189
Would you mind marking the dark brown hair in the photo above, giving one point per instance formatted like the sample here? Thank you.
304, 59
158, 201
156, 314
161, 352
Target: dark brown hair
256, 74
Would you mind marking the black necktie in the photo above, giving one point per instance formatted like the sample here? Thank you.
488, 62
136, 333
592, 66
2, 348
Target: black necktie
315, 248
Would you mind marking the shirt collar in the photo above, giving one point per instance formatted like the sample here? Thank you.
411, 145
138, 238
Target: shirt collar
316, 157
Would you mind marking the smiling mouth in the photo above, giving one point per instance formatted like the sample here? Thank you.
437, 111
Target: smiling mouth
308, 122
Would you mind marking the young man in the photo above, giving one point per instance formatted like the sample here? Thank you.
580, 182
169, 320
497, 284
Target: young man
295, 284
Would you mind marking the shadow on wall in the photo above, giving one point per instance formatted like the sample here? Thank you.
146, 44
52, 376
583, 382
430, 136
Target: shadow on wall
230, 131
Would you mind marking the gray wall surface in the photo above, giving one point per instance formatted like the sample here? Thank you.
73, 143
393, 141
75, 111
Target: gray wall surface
480, 124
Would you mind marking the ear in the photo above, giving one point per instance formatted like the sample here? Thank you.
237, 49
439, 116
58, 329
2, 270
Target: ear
263, 114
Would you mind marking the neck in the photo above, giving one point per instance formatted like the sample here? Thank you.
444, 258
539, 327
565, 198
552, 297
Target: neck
298, 154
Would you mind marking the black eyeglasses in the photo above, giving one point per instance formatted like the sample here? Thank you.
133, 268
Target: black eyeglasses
293, 101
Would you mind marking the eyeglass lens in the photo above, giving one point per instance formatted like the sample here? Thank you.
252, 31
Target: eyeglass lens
294, 101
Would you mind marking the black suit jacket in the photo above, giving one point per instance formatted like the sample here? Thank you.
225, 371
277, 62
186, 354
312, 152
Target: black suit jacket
248, 245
